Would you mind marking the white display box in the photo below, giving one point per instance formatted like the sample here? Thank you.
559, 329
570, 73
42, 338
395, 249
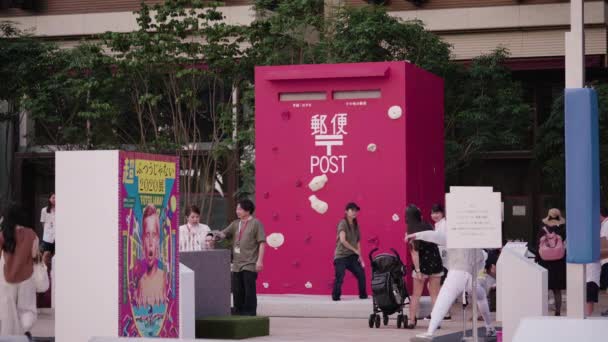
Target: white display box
86, 270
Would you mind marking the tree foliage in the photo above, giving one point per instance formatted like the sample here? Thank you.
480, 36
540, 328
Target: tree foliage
180, 73
183, 82
485, 111
484, 106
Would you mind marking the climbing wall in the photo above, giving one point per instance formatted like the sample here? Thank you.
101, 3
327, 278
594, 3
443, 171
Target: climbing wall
327, 135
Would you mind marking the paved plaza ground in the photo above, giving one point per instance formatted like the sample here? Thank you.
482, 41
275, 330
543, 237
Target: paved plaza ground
330, 329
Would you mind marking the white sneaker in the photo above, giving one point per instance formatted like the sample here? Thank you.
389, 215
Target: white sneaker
425, 336
491, 332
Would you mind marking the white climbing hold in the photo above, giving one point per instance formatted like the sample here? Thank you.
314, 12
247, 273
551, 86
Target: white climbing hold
395, 217
318, 205
275, 240
318, 182
395, 112
371, 147
266, 285
308, 285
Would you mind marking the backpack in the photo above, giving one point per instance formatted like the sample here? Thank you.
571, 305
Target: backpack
551, 246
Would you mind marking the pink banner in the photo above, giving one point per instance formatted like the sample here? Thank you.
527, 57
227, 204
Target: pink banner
149, 257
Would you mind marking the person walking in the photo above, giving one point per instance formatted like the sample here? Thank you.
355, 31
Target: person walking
426, 261
347, 255
604, 261
47, 218
463, 265
438, 216
18, 248
552, 236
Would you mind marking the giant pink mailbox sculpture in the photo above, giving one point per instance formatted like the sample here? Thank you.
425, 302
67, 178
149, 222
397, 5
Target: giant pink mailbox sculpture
327, 135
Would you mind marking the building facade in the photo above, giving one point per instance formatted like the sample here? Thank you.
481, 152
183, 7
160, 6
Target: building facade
532, 30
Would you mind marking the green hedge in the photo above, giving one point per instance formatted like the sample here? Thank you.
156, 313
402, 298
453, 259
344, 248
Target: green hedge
232, 327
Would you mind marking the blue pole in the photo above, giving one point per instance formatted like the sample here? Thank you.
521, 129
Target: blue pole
582, 176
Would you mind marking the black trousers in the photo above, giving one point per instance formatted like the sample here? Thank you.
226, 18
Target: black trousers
352, 264
244, 293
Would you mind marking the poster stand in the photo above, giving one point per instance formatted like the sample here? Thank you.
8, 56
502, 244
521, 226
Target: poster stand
474, 222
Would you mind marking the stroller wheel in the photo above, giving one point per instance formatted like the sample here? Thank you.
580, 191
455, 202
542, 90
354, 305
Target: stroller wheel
404, 321
377, 321
372, 319
385, 319
399, 321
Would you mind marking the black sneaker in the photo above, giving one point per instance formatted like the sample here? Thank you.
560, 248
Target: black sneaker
605, 313
28, 335
363, 297
447, 317
335, 299
427, 318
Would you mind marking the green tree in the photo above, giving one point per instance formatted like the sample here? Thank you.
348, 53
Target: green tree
285, 32
21, 65
74, 102
485, 111
484, 106
370, 34
180, 72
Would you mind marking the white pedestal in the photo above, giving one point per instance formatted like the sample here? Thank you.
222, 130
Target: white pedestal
53, 283
186, 302
86, 265
561, 329
521, 291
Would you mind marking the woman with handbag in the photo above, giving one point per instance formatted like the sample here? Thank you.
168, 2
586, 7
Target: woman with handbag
552, 255
426, 262
18, 248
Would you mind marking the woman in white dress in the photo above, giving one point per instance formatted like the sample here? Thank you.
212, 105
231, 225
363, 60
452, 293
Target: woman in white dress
18, 247
192, 234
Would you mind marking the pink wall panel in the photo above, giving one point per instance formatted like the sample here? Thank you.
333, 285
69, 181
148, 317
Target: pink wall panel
407, 166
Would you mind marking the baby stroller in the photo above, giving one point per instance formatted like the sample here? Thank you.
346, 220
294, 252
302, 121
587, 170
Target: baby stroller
388, 288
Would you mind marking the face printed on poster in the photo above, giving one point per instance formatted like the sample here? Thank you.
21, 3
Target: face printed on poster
148, 247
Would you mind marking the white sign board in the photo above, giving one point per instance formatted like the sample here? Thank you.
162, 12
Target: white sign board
519, 210
473, 218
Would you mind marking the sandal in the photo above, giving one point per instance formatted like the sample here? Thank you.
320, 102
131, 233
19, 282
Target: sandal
412, 325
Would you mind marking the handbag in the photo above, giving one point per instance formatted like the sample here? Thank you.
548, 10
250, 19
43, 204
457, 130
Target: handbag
551, 246
604, 248
41, 276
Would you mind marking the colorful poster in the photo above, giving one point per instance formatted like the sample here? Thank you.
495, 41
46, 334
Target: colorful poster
149, 257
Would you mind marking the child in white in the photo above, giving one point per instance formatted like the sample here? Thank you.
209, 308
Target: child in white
192, 234
461, 264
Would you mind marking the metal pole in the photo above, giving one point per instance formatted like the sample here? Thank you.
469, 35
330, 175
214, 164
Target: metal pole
474, 333
575, 78
464, 315
474, 295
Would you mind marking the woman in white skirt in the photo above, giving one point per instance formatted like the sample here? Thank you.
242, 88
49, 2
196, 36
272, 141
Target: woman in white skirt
18, 248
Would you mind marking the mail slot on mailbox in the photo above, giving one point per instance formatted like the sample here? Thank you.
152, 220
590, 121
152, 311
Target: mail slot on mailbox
326, 135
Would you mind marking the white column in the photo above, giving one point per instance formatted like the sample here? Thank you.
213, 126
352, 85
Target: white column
575, 78
575, 47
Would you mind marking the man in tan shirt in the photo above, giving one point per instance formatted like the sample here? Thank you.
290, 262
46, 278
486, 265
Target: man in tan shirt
248, 239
